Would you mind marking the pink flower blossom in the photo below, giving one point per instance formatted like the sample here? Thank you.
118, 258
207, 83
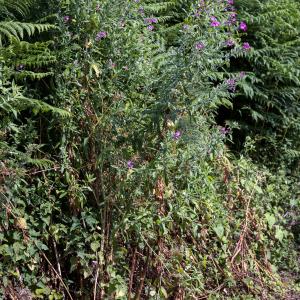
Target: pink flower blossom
246, 46
150, 27
130, 164
229, 43
151, 20
214, 22
101, 35
199, 46
177, 135
243, 26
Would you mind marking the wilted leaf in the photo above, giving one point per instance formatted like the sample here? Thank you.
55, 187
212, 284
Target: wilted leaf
21, 223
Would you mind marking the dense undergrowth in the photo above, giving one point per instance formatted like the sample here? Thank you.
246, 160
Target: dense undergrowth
149, 149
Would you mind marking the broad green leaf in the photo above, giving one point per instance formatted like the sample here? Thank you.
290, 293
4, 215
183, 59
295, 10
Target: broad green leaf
95, 246
270, 219
219, 230
279, 235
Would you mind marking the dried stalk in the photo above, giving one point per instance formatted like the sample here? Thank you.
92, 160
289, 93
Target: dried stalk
56, 256
96, 283
143, 276
133, 263
59, 277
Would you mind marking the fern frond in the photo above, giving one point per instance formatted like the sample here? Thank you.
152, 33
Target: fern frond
156, 8
31, 75
30, 55
41, 163
17, 30
22, 7
40, 106
12, 100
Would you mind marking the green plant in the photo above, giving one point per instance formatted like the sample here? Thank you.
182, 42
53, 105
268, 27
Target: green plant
266, 105
123, 187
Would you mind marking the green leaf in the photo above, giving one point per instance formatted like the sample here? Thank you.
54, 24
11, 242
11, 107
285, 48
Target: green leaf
279, 235
95, 246
219, 230
270, 219
163, 292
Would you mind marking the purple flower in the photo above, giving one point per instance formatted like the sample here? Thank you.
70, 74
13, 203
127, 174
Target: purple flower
229, 43
246, 46
101, 35
94, 263
199, 46
141, 10
231, 84
197, 13
185, 27
66, 19
242, 74
177, 135
230, 2
111, 64
151, 20
130, 164
224, 130
233, 16
150, 27
214, 22
243, 26
231, 19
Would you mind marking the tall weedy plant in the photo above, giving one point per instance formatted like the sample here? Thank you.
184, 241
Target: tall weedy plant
137, 196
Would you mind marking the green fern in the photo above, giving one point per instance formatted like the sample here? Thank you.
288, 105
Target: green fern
35, 56
270, 96
17, 30
12, 100
9, 7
